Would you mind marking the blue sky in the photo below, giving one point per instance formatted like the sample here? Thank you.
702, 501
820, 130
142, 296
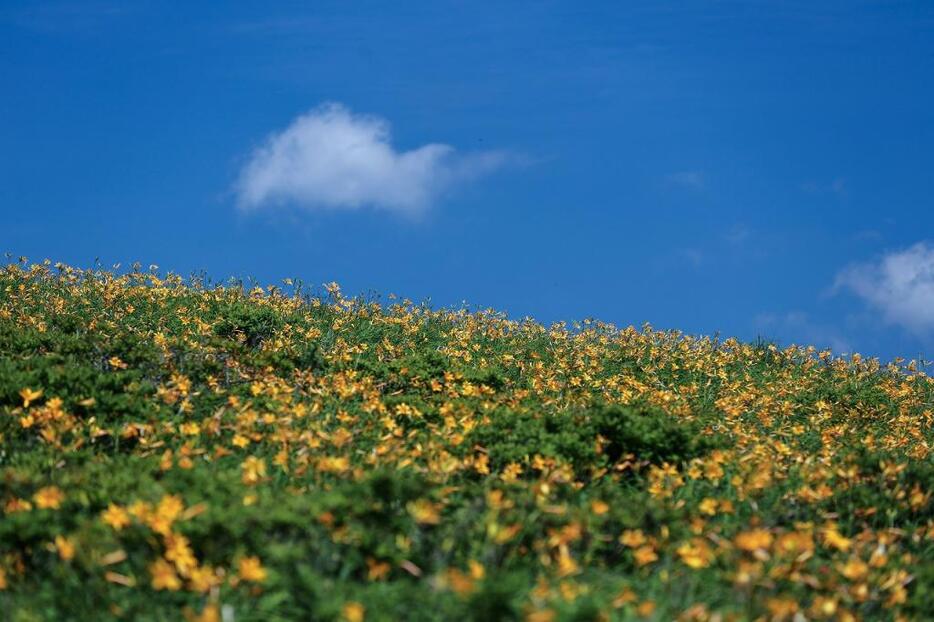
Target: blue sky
747, 168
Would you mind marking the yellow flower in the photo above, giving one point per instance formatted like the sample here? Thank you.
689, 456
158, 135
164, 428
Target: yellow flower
116, 517
708, 506
17, 505
210, 613
632, 538
646, 608
645, 555
832, 538
566, 564
512, 472
918, 497
165, 462
794, 543
140, 510
781, 608
855, 569
599, 507
897, 596
163, 576
754, 540
541, 615
165, 513
29, 396
282, 460
178, 551
377, 570
823, 607
65, 547
48, 498
202, 579
460, 583
251, 569
190, 429
695, 554
170, 506
353, 612
3, 583
625, 597
254, 470
424, 512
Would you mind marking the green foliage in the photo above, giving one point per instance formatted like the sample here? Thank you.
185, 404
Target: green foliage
590, 438
250, 323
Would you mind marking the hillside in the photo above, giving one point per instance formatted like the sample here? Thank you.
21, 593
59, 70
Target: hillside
176, 450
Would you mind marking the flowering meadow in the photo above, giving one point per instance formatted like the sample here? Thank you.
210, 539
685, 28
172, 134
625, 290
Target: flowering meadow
177, 449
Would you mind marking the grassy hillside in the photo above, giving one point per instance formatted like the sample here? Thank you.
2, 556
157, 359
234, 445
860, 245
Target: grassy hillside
172, 450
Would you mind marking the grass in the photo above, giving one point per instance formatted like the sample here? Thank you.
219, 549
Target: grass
174, 450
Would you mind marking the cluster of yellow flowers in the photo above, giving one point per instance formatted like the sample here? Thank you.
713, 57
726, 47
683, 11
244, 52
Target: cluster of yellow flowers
752, 515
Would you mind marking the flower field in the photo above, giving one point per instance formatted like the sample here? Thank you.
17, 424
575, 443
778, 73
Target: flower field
174, 449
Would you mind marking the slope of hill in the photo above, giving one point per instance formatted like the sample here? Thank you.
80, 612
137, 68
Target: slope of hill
172, 450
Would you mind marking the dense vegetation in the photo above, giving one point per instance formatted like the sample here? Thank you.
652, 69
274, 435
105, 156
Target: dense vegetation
173, 449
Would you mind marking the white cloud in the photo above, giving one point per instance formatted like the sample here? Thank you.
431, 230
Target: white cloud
900, 285
330, 157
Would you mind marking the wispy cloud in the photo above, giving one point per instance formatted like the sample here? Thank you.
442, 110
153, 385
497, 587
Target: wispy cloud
693, 180
333, 158
900, 285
